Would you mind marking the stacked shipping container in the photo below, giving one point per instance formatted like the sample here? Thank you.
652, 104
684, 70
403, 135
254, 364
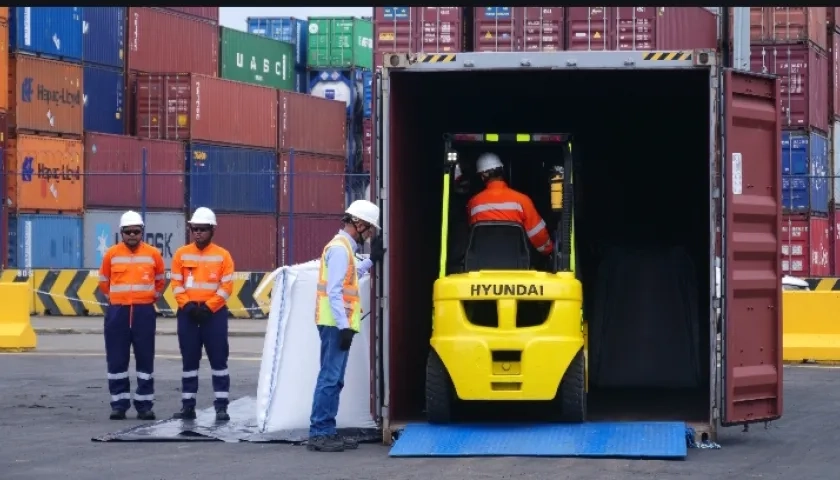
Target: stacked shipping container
289, 30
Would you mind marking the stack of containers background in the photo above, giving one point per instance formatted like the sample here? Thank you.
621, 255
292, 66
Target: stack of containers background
290, 30
44, 166
792, 42
4, 104
833, 42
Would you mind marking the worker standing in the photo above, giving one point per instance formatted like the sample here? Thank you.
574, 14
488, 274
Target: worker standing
338, 318
202, 281
132, 278
498, 202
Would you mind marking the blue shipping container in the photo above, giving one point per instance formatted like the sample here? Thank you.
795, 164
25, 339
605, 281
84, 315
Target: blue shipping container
367, 93
232, 179
45, 241
805, 167
103, 31
103, 99
286, 29
49, 31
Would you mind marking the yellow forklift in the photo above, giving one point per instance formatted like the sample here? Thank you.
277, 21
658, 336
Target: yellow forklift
502, 330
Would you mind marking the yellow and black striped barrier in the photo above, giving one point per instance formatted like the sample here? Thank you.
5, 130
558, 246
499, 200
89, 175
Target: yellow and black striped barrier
823, 284
664, 56
75, 293
436, 58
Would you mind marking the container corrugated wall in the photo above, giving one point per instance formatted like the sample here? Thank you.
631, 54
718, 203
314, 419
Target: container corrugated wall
254, 59
286, 29
209, 14
302, 237
835, 163
165, 231
311, 183
394, 31
44, 174
232, 179
104, 98
340, 42
47, 96
256, 249
516, 29
805, 172
806, 246
367, 144
793, 25
367, 94
45, 241
4, 66
311, 124
205, 109
49, 31
160, 41
834, 75
114, 167
103, 31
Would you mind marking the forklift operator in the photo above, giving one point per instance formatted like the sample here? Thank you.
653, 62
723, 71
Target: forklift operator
498, 202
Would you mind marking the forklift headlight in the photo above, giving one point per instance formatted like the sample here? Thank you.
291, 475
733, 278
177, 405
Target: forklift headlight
452, 157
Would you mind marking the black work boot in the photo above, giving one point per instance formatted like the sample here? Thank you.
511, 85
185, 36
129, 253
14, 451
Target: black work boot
221, 414
117, 414
186, 413
349, 443
146, 415
325, 443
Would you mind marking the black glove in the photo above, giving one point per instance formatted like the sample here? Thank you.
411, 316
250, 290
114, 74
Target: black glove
203, 313
377, 251
190, 309
346, 338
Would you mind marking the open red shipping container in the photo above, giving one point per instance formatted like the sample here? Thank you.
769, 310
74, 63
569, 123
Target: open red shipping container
250, 239
516, 29
790, 25
302, 237
311, 183
311, 124
806, 246
161, 41
114, 166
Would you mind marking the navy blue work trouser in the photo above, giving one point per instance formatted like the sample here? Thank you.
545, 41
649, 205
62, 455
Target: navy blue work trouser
212, 334
127, 326
330, 383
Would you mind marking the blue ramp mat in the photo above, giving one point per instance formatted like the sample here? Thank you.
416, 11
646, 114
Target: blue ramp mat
664, 440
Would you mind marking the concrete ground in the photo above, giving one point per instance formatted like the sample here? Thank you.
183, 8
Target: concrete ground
55, 400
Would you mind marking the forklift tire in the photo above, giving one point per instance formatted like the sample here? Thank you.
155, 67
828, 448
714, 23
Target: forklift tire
439, 391
572, 391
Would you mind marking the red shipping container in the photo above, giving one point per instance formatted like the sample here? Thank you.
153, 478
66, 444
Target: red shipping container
367, 144
161, 41
250, 239
439, 29
311, 183
640, 28
311, 124
204, 13
514, 29
804, 82
831, 16
204, 108
303, 237
114, 166
394, 31
834, 75
835, 242
794, 24
806, 242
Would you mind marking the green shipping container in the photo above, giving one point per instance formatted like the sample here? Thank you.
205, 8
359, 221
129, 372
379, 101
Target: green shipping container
256, 59
340, 42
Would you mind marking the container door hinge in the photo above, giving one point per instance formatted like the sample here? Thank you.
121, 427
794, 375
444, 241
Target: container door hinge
716, 193
715, 413
716, 302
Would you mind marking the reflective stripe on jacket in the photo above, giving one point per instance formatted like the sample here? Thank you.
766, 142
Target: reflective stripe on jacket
204, 276
500, 203
129, 277
350, 289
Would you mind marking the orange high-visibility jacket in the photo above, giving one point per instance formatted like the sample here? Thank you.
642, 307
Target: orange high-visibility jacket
204, 276
132, 277
500, 203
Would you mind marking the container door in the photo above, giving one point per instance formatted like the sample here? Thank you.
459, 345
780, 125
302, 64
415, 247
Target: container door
378, 299
751, 333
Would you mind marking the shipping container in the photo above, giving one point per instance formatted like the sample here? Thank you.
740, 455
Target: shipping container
831, 16
515, 29
45, 96
795, 25
232, 179
311, 124
4, 14
395, 30
804, 78
45, 241
759, 26
159, 41
302, 237
640, 28
805, 170
250, 58
835, 162
103, 30
340, 42
210, 14
4, 66
311, 183
367, 94
103, 99
165, 231
204, 108
439, 29
44, 174
114, 173
738, 119
367, 144
835, 241
250, 239
48, 31
343, 85
285, 29
806, 246
834, 75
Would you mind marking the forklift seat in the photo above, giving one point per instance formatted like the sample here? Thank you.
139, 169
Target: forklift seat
497, 246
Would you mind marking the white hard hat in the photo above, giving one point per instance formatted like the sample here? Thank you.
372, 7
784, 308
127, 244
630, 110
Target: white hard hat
365, 211
203, 216
487, 161
130, 219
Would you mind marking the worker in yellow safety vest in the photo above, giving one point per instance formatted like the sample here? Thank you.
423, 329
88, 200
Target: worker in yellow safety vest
338, 316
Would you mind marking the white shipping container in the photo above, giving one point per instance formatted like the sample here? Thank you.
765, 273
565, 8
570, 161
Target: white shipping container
165, 231
835, 163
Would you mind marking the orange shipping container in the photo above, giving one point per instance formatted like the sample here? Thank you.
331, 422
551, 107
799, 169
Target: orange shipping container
45, 174
4, 14
4, 63
45, 96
